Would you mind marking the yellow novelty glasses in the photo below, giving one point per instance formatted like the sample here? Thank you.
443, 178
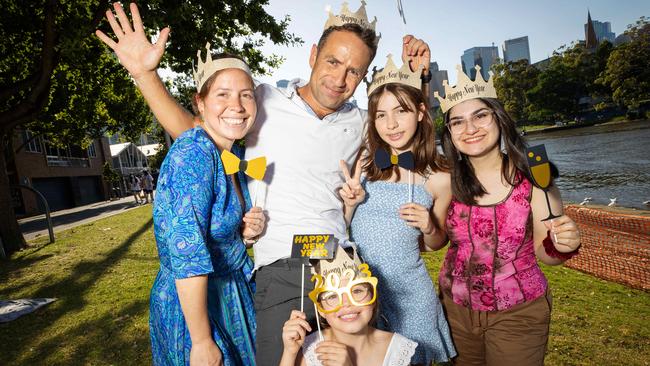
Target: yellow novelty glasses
328, 292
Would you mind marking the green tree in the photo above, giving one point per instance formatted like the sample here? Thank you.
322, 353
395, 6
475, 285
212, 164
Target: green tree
57, 79
569, 77
512, 80
627, 73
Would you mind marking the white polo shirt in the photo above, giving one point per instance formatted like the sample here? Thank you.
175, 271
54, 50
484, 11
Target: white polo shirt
299, 192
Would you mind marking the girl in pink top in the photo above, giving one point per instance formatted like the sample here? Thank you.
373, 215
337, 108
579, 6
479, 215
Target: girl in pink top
494, 293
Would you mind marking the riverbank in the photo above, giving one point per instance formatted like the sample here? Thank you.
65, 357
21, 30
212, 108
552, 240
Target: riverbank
614, 209
541, 129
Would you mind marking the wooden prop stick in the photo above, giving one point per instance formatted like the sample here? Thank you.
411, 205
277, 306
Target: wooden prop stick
302, 289
320, 334
257, 184
410, 186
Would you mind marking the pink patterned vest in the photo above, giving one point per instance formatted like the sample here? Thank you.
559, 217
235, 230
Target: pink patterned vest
491, 263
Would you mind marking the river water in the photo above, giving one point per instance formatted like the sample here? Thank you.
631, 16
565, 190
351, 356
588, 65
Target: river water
602, 162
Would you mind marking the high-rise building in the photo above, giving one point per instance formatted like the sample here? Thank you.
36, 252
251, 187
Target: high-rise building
516, 49
437, 77
596, 32
482, 56
283, 83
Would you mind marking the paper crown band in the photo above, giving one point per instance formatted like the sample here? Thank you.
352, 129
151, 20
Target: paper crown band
346, 17
466, 89
206, 69
391, 74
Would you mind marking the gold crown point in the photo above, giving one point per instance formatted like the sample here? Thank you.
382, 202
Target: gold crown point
204, 70
391, 74
466, 89
346, 16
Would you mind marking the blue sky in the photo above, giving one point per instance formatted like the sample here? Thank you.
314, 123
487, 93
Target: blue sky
450, 27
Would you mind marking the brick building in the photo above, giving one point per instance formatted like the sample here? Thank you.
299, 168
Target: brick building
67, 177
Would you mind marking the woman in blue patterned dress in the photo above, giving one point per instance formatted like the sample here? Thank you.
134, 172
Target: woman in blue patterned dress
202, 299
201, 305
401, 212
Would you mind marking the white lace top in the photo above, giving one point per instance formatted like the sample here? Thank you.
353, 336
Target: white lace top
399, 352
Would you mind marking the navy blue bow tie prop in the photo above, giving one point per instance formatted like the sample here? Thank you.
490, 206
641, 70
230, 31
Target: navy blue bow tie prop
385, 160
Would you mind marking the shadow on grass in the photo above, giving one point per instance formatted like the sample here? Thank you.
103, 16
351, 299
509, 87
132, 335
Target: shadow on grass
102, 338
90, 335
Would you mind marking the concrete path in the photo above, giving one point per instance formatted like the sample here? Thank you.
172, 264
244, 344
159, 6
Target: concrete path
36, 226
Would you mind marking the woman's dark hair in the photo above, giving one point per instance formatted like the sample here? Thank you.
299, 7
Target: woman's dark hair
465, 187
427, 158
208, 83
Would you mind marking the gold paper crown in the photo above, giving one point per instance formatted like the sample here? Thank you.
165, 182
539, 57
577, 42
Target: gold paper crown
206, 69
346, 16
330, 274
391, 74
466, 89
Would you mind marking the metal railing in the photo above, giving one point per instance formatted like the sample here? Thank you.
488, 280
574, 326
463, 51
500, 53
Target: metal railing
50, 228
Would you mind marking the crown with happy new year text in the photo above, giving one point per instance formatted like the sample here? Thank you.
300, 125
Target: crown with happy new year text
466, 89
391, 74
205, 69
346, 16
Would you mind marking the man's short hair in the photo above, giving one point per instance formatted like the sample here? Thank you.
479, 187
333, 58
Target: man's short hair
368, 36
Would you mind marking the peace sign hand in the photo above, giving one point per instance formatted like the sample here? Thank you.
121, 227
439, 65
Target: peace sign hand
351, 191
135, 52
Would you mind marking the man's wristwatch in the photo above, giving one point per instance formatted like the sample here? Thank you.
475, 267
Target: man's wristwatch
427, 77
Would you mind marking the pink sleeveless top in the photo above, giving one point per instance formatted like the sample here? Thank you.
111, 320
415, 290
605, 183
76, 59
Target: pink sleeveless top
490, 264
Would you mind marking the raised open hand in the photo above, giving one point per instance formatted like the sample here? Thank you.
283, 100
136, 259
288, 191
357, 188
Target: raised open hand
135, 52
351, 191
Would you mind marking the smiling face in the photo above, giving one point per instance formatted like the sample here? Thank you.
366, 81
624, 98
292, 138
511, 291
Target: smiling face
480, 135
228, 109
396, 122
349, 318
337, 69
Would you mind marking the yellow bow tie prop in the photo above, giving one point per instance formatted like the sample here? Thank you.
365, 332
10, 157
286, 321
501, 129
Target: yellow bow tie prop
254, 168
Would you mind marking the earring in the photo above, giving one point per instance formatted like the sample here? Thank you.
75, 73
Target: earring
503, 145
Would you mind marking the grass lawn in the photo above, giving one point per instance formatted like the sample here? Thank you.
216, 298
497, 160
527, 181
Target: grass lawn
101, 274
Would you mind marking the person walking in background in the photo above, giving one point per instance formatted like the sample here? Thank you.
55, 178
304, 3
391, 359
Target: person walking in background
147, 180
134, 183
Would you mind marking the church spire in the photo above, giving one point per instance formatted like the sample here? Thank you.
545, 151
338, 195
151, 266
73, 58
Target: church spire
590, 34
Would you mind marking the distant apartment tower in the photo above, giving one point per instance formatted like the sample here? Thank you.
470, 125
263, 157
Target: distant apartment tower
516, 49
282, 83
482, 56
596, 32
437, 77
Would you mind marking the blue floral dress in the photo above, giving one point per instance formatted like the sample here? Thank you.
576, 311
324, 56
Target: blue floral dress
197, 217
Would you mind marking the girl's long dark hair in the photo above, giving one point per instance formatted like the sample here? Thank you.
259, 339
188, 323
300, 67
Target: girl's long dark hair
424, 146
465, 186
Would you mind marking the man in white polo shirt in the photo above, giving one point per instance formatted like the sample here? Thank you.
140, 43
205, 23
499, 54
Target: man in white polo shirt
304, 131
